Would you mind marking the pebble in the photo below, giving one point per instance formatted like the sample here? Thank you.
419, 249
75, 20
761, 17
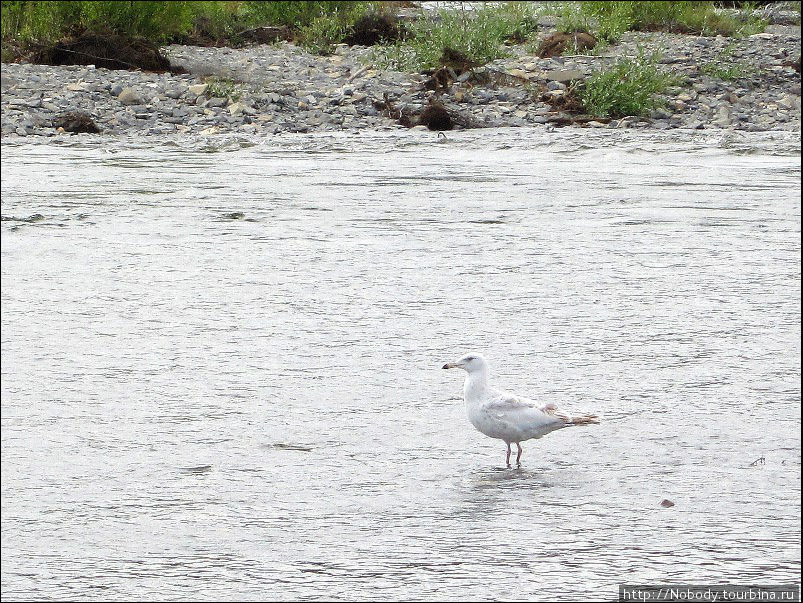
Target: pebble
197, 89
284, 89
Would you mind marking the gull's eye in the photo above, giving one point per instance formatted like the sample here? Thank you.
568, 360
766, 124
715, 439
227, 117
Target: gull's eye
470, 358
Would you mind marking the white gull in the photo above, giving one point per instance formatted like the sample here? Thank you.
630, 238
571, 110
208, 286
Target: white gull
504, 416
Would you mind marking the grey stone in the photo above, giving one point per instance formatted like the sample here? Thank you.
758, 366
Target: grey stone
668, 60
784, 30
237, 108
129, 96
723, 117
564, 75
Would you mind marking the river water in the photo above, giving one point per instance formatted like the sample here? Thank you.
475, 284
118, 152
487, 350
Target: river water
221, 364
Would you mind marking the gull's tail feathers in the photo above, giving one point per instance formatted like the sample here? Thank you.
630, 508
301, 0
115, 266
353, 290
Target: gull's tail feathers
551, 409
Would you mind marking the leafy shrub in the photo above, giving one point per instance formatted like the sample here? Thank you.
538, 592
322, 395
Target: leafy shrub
479, 35
629, 87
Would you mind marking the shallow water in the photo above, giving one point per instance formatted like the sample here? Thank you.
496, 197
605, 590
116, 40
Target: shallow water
221, 364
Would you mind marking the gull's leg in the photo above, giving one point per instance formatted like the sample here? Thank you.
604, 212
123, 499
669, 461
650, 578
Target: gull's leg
518, 456
507, 458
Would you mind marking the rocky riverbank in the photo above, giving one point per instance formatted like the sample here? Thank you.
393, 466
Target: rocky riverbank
744, 84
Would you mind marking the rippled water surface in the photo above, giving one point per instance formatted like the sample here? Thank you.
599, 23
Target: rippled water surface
221, 365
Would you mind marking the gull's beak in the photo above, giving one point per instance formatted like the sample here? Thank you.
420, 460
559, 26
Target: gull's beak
450, 365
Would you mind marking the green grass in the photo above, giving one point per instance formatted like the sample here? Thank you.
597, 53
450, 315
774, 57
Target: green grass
726, 68
629, 87
609, 20
46, 21
320, 35
728, 72
158, 21
222, 88
574, 17
296, 14
480, 35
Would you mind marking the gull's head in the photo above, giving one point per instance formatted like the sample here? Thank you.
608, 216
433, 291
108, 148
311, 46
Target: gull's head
471, 363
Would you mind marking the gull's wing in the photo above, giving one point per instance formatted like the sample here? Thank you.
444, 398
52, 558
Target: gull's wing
509, 407
524, 412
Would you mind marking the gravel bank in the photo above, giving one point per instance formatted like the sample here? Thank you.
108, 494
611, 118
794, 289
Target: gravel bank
269, 89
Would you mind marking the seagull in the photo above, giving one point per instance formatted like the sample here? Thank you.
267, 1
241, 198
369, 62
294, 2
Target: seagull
504, 416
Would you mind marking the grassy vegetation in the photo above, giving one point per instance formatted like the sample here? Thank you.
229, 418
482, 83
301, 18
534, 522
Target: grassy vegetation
45, 21
727, 71
297, 14
609, 20
320, 34
479, 35
222, 88
724, 67
630, 87
159, 21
